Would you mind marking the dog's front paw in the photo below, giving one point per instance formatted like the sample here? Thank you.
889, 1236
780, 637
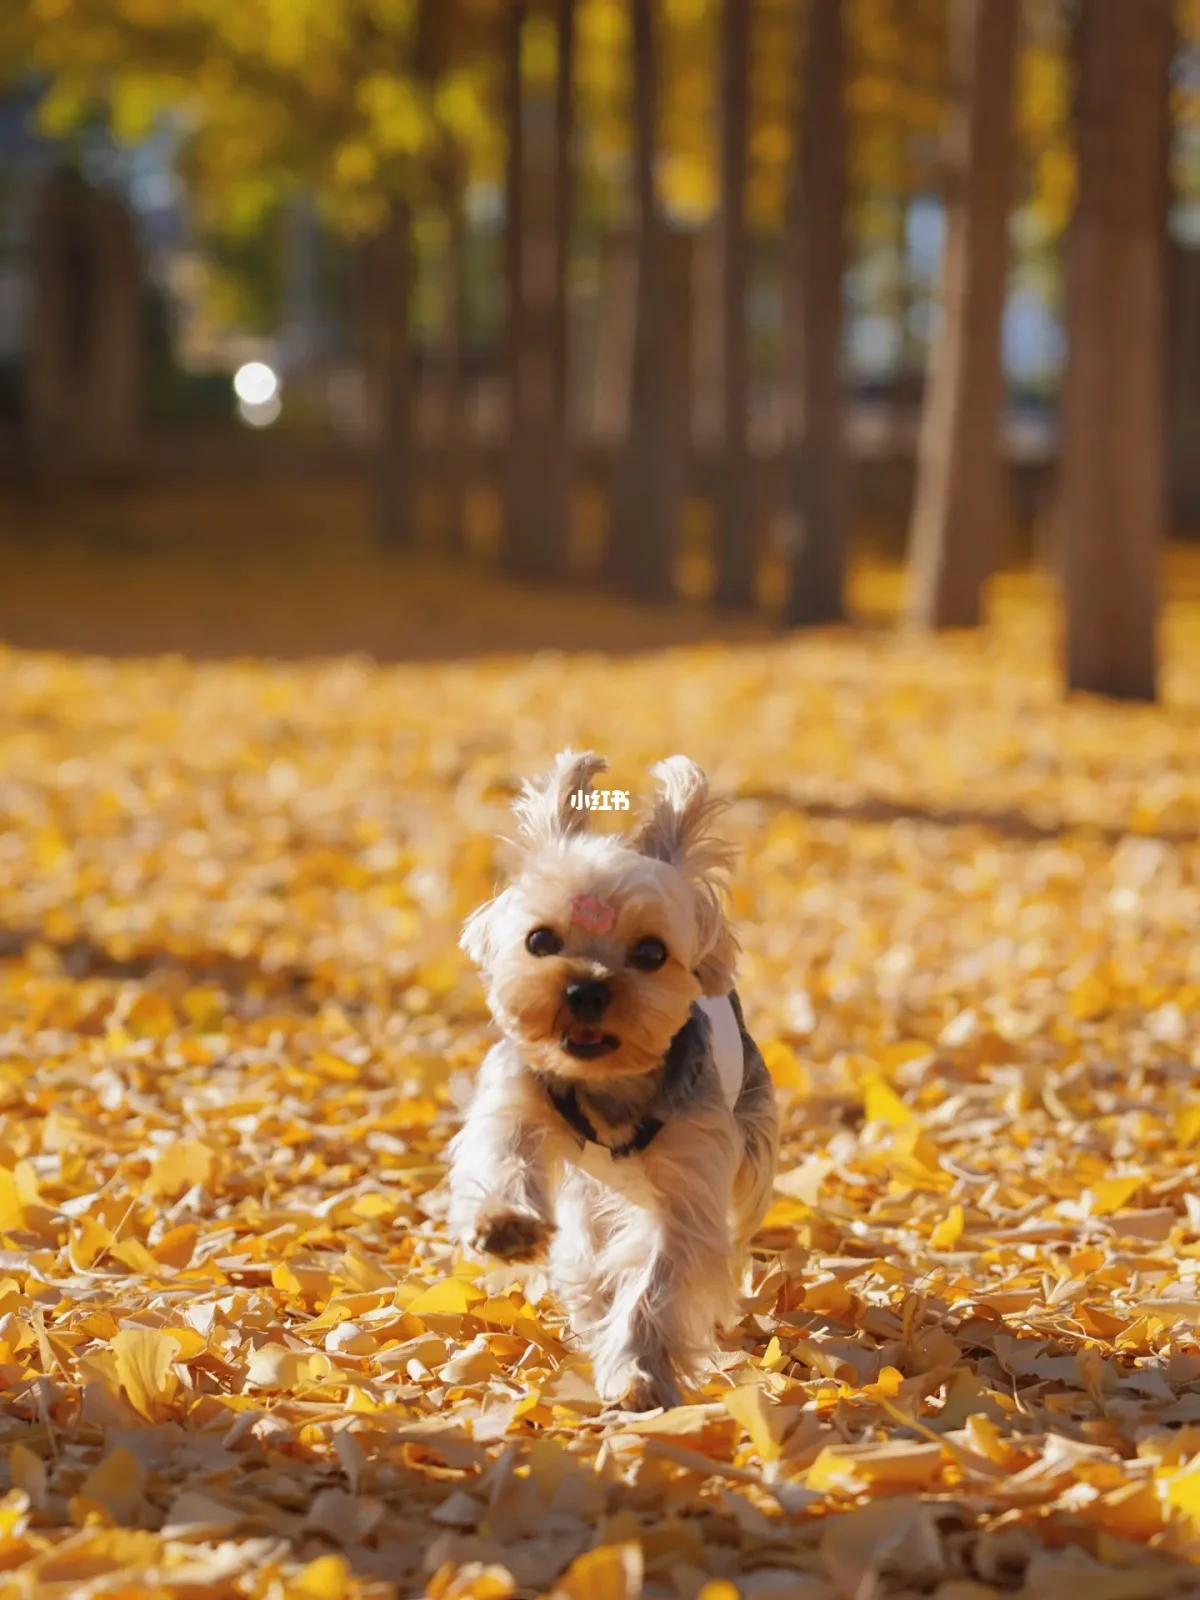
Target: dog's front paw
637, 1386
512, 1236
646, 1393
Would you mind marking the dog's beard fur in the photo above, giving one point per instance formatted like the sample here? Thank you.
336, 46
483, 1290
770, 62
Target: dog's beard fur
647, 1258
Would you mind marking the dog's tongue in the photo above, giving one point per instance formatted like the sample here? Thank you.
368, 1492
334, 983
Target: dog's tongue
585, 1035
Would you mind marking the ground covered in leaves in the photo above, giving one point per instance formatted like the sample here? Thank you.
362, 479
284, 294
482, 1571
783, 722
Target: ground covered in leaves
239, 1356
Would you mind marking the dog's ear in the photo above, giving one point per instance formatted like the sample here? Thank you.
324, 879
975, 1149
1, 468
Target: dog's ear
678, 830
481, 929
717, 966
544, 811
476, 937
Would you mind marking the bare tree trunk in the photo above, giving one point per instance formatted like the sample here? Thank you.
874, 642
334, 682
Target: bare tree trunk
736, 544
654, 474
1183, 384
616, 325
708, 405
537, 543
960, 501
119, 358
389, 296
456, 437
87, 357
821, 489
1113, 467
564, 206
513, 555
640, 549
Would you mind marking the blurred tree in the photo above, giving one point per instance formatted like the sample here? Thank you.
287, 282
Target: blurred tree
898, 81
960, 496
540, 77
1043, 115
818, 224
1112, 472
349, 99
388, 274
456, 412
354, 101
87, 347
640, 549
735, 542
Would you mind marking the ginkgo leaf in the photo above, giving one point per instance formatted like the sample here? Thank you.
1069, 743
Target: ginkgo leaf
144, 1359
1111, 1194
326, 1578
272, 1366
765, 1422
881, 1103
180, 1167
12, 1205
28, 1473
118, 1483
611, 1572
949, 1230
452, 1297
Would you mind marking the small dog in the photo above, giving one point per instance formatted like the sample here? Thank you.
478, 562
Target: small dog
626, 1121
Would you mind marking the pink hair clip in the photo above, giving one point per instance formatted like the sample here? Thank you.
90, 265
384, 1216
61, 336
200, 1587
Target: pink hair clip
592, 914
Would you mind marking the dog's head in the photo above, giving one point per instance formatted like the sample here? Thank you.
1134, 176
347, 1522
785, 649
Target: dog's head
596, 951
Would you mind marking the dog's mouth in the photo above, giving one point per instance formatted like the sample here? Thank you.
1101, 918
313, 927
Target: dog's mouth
588, 1044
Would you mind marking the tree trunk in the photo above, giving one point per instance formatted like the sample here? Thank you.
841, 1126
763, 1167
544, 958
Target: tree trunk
456, 421
1183, 384
960, 501
615, 336
736, 552
564, 207
389, 296
86, 370
654, 462
113, 405
513, 555
640, 547
537, 543
820, 490
1113, 468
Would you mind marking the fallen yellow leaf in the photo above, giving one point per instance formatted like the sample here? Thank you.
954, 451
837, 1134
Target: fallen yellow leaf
28, 1472
119, 1483
765, 1421
881, 1103
143, 1360
612, 1572
949, 1230
451, 1297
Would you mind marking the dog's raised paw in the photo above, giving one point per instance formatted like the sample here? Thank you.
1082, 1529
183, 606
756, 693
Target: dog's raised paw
512, 1236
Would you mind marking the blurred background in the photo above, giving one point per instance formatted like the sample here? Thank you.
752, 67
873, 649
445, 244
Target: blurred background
425, 326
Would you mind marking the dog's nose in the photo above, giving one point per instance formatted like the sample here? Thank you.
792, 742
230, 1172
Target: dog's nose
589, 998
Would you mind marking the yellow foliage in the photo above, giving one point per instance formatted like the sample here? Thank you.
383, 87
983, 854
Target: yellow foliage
238, 1350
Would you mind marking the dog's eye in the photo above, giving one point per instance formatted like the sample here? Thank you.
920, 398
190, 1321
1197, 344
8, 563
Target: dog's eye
543, 942
648, 955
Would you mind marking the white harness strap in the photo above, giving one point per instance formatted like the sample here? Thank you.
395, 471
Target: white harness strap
727, 1050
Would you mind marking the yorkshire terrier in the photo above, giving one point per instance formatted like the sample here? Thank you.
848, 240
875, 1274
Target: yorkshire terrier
625, 1124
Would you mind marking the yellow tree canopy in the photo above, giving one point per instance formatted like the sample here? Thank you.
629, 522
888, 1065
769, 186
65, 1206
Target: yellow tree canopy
360, 99
355, 98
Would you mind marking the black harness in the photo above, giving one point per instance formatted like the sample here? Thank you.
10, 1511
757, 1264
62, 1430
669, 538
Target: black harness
565, 1100
684, 1060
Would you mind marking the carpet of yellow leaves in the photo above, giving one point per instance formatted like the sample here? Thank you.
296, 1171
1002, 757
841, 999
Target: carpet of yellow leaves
239, 1356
